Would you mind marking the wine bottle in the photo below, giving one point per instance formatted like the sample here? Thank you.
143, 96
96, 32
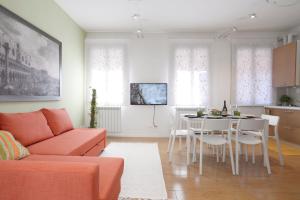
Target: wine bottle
224, 110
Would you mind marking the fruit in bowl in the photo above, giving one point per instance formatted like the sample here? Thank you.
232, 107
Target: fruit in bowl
216, 112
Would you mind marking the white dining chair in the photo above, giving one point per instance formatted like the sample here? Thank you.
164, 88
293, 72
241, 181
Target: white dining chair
273, 121
176, 133
251, 132
219, 140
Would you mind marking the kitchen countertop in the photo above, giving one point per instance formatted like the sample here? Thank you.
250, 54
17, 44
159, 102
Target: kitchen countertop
284, 107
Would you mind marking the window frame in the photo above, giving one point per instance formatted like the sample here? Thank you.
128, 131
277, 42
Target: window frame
252, 45
103, 43
190, 44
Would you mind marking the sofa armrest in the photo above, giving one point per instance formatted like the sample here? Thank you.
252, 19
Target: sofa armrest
48, 180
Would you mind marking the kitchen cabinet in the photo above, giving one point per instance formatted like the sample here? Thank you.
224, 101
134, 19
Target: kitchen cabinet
289, 126
285, 70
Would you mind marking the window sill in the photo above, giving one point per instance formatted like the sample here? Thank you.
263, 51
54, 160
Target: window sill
253, 105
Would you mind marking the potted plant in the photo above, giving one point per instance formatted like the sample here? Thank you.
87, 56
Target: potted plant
93, 120
200, 112
285, 100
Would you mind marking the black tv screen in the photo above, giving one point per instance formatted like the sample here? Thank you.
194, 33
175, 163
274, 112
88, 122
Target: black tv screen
148, 94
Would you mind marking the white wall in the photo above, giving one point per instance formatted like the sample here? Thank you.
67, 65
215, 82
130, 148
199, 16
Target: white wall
220, 72
148, 61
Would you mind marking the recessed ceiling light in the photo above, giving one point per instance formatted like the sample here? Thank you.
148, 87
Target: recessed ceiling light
136, 16
252, 16
139, 31
234, 29
283, 3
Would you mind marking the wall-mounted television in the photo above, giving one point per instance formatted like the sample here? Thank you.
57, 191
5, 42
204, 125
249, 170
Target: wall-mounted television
148, 93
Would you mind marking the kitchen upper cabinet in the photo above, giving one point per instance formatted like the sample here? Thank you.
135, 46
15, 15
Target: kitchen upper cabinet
285, 65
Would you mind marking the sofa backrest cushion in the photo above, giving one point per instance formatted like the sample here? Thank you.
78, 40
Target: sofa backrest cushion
11, 149
58, 120
27, 128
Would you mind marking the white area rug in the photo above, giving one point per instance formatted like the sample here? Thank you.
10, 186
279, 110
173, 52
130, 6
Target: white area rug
143, 176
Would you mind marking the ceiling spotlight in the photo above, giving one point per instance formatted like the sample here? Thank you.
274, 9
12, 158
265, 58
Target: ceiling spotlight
252, 16
226, 33
136, 16
139, 33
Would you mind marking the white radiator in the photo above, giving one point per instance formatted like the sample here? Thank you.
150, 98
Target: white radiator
180, 111
110, 119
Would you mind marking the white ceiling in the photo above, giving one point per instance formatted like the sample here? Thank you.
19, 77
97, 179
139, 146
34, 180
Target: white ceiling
180, 15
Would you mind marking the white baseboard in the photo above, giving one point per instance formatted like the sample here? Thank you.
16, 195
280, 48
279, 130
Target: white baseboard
137, 135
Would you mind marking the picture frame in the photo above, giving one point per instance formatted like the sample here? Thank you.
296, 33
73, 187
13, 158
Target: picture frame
30, 61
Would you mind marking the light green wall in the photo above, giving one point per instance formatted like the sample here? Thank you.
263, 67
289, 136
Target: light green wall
47, 15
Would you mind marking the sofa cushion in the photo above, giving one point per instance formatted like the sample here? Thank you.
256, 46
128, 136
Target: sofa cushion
58, 120
95, 151
28, 128
75, 142
10, 149
110, 172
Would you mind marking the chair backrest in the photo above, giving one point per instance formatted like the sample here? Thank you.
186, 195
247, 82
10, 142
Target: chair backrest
252, 124
171, 118
273, 120
216, 124
196, 123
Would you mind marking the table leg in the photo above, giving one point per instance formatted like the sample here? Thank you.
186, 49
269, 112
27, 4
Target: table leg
188, 144
194, 148
266, 136
188, 149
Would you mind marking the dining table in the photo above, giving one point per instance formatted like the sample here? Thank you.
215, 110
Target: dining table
191, 120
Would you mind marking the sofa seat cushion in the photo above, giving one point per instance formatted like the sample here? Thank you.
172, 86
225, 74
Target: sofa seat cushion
28, 128
58, 120
110, 171
75, 142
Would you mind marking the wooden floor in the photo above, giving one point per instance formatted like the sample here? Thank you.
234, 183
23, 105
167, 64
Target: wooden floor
185, 183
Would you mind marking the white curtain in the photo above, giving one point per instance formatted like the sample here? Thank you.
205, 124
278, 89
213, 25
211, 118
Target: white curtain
191, 77
105, 73
252, 77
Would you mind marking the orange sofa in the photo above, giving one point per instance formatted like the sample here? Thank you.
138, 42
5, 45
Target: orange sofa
64, 162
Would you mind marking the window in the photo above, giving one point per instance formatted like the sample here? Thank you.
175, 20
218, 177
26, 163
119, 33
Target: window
105, 73
253, 75
191, 66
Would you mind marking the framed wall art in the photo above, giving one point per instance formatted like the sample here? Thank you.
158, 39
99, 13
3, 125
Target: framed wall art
30, 61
